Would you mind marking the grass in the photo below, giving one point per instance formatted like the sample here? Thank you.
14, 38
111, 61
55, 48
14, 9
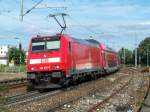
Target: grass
13, 69
2, 109
3, 90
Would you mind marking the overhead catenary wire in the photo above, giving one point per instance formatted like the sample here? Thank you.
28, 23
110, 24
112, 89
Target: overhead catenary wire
27, 22
85, 27
33, 7
45, 6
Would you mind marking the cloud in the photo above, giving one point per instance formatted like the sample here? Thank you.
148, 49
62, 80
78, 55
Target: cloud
116, 19
142, 26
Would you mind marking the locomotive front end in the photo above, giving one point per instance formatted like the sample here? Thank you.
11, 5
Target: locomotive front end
44, 64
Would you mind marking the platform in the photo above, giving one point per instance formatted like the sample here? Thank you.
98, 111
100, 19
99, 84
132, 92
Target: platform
12, 76
146, 104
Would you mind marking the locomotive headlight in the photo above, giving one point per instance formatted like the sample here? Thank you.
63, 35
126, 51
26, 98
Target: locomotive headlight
56, 66
32, 68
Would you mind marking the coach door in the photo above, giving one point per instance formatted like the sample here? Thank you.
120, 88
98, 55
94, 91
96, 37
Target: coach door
72, 56
100, 54
106, 59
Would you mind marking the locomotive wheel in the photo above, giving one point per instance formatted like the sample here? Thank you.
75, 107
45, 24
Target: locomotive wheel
30, 86
74, 80
66, 83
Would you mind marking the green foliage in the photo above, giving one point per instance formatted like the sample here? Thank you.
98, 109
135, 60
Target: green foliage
15, 54
2, 67
144, 46
128, 56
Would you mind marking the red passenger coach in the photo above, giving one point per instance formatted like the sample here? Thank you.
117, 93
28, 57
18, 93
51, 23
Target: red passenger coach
56, 61
110, 59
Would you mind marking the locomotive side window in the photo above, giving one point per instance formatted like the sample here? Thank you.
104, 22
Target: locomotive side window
69, 46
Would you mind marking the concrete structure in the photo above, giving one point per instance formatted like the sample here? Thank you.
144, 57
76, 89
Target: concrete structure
146, 104
3, 54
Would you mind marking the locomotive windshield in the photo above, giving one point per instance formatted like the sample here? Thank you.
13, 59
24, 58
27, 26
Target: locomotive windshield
44, 44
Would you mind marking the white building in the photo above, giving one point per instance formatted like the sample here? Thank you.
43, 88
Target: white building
3, 54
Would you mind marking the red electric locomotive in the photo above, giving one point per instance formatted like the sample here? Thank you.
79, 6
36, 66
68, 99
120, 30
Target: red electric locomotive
56, 61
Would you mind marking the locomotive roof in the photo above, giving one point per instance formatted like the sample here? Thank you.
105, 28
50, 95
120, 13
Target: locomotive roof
93, 41
110, 49
87, 42
106, 48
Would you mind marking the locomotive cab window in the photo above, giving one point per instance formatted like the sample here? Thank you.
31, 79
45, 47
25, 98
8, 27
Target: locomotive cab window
53, 44
44, 44
38, 46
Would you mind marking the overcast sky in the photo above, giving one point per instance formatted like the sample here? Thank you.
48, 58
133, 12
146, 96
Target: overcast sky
117, 23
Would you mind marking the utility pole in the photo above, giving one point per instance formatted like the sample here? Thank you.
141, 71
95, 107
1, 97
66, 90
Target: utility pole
147, 57
21, 11
135, 51
124, 52
135, 57
139, 60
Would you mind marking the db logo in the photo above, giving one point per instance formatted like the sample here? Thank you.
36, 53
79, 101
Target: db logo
44, 60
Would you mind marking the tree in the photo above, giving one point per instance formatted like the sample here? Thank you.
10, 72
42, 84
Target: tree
15, 54
144, 48
128, 56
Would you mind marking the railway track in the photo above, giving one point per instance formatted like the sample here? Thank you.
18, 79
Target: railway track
13, 87
56, 99
35, 95
103, 99
27, 98
122, 85
14, 81
11, 84
71, 100
109, 97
